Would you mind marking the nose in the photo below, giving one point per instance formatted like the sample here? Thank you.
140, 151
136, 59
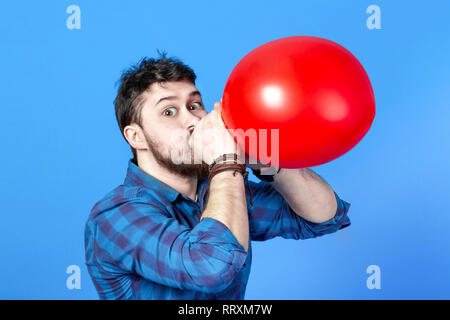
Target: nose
190, 121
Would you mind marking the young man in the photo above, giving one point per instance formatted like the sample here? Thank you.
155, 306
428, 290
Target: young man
180, 229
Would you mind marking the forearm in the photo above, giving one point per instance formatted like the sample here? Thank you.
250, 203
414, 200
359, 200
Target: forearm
227, 203
307, 194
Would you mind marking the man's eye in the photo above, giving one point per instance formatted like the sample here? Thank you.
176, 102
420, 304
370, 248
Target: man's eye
195, 106
169, 112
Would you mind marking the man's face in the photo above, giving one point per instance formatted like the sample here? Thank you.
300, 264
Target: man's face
169, 114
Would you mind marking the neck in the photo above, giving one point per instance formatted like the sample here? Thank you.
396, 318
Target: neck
184, 185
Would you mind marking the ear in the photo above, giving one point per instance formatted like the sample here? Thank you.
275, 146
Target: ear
135, 137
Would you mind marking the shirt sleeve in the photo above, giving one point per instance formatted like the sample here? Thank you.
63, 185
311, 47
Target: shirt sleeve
271, 216
138, 238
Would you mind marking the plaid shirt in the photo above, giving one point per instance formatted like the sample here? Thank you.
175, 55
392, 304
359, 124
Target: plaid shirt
144, 240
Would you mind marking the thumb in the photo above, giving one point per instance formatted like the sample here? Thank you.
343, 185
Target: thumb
218, 112
218, 107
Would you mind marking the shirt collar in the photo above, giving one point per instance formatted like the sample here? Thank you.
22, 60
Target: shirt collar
137, 176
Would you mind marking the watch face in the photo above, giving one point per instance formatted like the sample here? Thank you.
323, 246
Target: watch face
267, 174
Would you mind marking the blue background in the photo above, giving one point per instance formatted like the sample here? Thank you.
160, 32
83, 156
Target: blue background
62, 149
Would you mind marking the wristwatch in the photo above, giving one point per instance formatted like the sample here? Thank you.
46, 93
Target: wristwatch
266, 177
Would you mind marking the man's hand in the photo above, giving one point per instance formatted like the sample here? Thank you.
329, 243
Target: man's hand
211, 139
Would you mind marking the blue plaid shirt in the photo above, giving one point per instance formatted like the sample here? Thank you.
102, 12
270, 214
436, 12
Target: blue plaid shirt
144, 240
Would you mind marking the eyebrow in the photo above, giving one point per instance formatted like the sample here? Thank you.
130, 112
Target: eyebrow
193, 93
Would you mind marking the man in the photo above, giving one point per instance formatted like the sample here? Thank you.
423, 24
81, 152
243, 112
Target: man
170, 231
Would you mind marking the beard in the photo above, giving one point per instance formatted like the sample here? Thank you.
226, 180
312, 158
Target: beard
199, 171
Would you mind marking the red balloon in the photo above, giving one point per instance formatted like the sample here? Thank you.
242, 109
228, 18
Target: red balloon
313, 90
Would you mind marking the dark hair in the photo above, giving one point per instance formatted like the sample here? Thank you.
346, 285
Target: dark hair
138, 78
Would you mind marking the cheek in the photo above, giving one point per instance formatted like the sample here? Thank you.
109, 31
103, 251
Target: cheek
155, 133
158, 127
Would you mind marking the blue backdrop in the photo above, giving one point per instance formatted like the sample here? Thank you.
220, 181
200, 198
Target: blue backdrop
62, 149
